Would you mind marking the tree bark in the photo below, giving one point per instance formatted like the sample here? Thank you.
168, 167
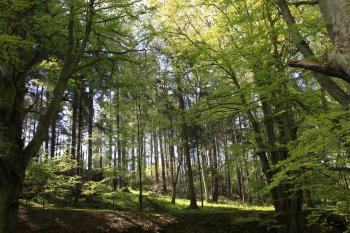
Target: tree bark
215, 176
14, 157
336, 14
325, 82
156, 155
187, 154
53, 139
90, 127
75, 106
174, 183
162, 159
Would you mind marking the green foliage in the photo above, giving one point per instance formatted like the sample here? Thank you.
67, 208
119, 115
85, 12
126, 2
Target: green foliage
50, 180
318, 157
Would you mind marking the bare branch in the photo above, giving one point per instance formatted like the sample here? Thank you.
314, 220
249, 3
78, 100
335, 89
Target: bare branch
326, 68
299, 3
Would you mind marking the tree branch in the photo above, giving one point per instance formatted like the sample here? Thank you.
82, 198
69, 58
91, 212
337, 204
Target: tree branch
299, 3
325, 68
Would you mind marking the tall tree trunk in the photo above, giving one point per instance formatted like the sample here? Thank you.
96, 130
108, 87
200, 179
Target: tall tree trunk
176, 178
187, 154
53, 139
228, 170
133, 161
74, 124
139, 152
200, 174
162, 159
80, 129
151, 155
172, 158
14, 157
156, 158
215, 175
204, 174
90, 127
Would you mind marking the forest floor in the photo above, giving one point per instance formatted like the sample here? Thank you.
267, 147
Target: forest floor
159, 217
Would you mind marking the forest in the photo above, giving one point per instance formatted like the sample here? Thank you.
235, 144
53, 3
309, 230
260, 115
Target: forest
186, 116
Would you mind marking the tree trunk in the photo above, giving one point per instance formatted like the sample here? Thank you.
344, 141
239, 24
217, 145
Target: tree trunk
53, 139
11, 179
336, 14
162, 159
200, 175
215, 194
156, 159
139, 153
228, 169
332, 10
90, 127
174, 183
75, 106
172, 158
80, 128
187, 154
14, 157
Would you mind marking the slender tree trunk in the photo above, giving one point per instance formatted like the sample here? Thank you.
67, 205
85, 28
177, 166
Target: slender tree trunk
164, 188
228, 171
140, 151
151, 155
172, 158
156, 158
53, 139
204, 175
90, 127
174, 183
215, 175
200, 175
133, 161
80, 128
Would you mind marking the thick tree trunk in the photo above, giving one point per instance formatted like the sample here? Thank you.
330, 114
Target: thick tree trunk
9, 194
337, 17
14, 157
187, 154
12, 170
289, 209
336, 12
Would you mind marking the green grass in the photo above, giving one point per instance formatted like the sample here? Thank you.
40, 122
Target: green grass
128, 201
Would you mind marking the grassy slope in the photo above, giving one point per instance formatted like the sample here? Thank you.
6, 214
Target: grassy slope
159, 216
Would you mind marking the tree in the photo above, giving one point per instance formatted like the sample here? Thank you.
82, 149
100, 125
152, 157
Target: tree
28, 39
